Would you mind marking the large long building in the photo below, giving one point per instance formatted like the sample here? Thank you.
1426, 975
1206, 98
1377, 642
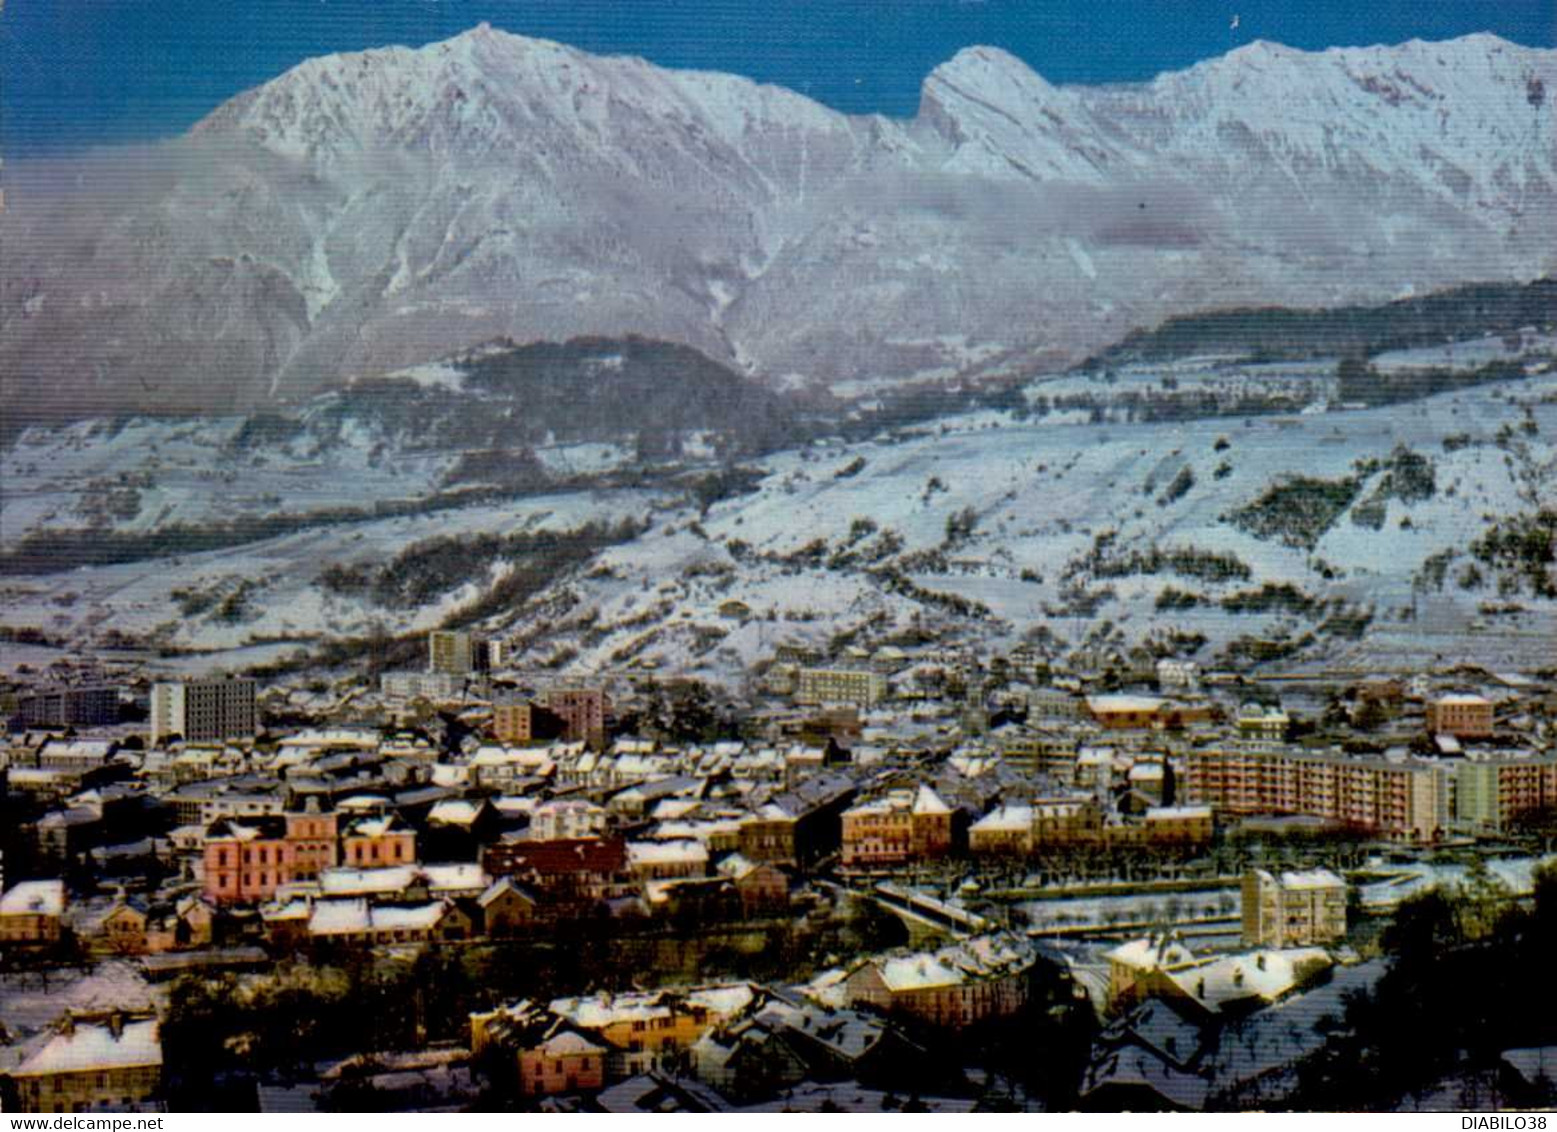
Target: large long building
840, 686
1406, 800
203, 710
84, 706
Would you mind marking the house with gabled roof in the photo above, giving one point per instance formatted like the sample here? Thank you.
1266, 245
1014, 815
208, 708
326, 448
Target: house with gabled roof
507, 908
110, 1062
979, 978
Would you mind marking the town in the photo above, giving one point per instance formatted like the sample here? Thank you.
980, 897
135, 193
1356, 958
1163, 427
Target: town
910, 876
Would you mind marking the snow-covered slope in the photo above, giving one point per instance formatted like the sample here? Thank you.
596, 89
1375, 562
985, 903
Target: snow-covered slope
976, 528
1055, 525
371, 211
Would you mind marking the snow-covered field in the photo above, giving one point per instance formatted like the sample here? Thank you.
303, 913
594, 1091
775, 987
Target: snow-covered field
148, 473
1040, 495
976, 527
140, 599
1153, 908
1473, 353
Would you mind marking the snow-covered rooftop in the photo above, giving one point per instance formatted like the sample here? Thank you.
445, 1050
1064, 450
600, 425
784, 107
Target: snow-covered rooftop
94, 1046
34, 898
666, 852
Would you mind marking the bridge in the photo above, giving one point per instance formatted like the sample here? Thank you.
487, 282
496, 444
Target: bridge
925, 911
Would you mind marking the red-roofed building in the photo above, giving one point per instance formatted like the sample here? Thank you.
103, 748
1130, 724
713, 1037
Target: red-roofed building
584, 868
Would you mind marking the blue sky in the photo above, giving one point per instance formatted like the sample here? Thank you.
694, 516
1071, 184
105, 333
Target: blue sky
75, 73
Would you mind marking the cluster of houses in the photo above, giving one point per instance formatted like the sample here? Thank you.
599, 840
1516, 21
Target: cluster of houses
734, 1046
869, 1025
457, 809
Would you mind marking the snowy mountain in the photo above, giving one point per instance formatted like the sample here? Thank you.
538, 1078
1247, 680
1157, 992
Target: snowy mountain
372, 211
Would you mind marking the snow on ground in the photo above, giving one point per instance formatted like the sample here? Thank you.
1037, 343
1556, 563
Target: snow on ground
1396, 883
1469, 354
139, 598
32, 1001
1040, 494
148, 473
1155, 908
977, 526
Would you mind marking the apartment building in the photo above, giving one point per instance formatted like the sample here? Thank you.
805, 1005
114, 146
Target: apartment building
840, 686
516, 721
203, 710
1263, 724
1293, 909
981, 978
1463, 716
580, 712
1007, 829
1066, 821
906, 825
32, 912
1041, 751
434, 686
380, 840
456, 653
567, 819
565, 1062
94, 1063
82, 706
1404, 799
1491, 791
1055, 703
1175, 825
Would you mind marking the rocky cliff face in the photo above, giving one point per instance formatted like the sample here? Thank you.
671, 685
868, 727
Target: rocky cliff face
370, 211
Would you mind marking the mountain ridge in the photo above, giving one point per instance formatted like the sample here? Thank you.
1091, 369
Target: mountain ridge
369, 211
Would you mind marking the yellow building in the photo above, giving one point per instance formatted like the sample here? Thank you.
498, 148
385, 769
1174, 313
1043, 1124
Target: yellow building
1465, 717
644, 1029
1293, 909
450, 651
94, 1063
31, 912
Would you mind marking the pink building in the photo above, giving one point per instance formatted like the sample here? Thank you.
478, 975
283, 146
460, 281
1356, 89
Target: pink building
246, 860
566, 1062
